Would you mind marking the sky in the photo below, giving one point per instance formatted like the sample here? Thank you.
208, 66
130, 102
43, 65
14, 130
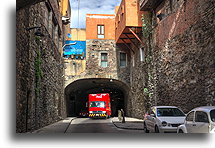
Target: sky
90, 7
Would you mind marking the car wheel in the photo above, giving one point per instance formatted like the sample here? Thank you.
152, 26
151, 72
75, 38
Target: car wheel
156, 129
180, 131
145, 128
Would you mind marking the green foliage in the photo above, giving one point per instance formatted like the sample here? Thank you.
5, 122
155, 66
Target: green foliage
147, 25
37, 40
148, 59
38, 72
146, 90
38, 62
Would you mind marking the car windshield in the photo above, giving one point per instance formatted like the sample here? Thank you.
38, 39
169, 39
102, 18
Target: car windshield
97, 104
212, 114
169, 112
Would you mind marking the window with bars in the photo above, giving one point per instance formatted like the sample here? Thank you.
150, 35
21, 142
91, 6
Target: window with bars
123, 59
104, 60
101, 31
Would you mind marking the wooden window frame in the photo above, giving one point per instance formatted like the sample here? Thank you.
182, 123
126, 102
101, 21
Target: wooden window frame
99, 30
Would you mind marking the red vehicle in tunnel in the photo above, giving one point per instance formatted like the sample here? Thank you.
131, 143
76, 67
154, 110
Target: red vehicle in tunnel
99, 105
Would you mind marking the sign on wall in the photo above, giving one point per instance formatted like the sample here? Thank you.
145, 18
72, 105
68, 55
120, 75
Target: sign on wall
76, 51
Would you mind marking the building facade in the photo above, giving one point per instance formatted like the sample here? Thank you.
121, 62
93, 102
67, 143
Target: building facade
39, 65
100, 72
169, 53
181, 51
101, 47
75, 55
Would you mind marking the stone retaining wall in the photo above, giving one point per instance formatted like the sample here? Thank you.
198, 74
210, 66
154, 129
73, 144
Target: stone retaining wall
39, 73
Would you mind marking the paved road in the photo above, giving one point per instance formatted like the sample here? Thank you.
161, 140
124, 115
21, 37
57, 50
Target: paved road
87, 125
84, 125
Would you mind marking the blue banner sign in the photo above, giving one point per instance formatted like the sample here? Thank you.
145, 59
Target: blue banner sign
77, 50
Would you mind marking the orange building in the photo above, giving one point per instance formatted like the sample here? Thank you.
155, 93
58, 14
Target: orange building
128, 16
100, 26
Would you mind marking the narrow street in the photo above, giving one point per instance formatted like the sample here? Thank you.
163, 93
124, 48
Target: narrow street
149, 61
85, 125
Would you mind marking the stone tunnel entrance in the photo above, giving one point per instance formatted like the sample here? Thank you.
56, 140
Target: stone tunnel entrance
76, 94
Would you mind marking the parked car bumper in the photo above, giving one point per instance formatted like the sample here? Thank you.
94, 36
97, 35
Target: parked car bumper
168, 129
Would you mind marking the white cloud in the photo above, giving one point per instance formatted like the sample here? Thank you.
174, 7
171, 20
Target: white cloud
90, 7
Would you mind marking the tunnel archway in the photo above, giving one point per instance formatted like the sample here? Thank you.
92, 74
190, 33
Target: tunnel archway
76, 94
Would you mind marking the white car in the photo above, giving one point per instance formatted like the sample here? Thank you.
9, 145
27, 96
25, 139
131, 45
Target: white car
199, 120
163, 119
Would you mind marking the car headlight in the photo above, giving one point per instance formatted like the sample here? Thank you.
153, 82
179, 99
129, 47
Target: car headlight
103, 112
91, 112
164, 123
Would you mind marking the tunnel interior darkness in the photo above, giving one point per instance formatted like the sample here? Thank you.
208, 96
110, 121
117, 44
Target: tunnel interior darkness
76, 94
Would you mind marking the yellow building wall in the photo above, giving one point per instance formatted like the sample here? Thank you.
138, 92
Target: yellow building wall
74, 67
78, 34
65, 8
65, 11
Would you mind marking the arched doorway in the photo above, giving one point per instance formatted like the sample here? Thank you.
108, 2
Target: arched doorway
76, 94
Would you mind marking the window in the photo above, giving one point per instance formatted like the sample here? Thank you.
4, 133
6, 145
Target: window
119, 18
123, 59
190, 116
201, 117
123, 9
175, 112
104, 60
97, 104
133, 61
142, 56
101, 31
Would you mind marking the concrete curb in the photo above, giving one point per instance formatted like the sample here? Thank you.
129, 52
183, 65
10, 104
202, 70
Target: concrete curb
63, 130
69, 124
129, 128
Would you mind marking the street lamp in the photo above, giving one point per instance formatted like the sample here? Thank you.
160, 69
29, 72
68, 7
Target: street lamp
38, 30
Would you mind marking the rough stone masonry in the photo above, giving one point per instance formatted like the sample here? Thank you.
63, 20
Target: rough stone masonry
184, 51
39, 73
179, 64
